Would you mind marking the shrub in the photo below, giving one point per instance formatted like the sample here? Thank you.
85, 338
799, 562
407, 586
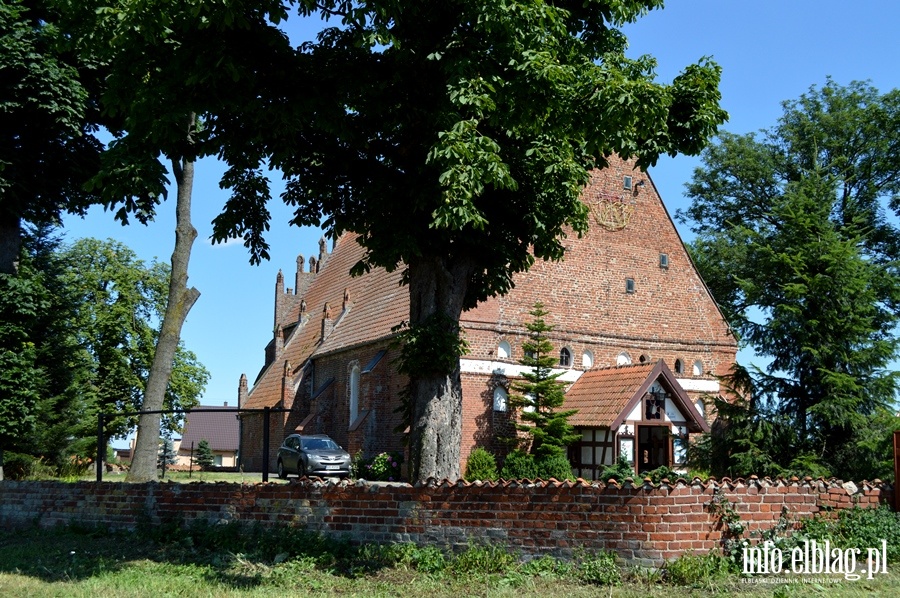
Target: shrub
484, 560
657, 475
858, 528
599, 569
481, 466
691, 569
383, 467
554, 466
618, 472
18, 466
519, 465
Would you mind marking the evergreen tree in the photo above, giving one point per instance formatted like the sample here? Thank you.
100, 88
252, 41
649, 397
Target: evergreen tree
795, 242
539, 397
203, 456
166, 455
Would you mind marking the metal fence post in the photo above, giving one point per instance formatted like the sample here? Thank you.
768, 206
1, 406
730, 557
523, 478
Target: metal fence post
101, 447
265, 455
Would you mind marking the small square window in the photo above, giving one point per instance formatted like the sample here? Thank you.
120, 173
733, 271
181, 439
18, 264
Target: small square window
664, 260
629, 285
626, 183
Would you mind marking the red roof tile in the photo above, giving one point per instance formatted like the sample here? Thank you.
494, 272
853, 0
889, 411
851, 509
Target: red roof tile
600, 395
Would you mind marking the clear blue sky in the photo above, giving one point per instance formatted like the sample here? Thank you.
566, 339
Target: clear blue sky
770, 51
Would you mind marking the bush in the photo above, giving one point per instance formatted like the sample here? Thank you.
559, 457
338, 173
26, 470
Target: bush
484, 560
618, 472
519, 466
858, 528
691, 569
657, 475
383, 467
554, 466
599, 569
481, 466
18, 466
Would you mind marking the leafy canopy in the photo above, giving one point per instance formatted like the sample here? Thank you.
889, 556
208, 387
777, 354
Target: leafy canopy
474, 123
794, 239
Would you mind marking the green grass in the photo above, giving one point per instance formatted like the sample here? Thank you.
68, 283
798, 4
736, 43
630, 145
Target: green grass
185, 477
231, 561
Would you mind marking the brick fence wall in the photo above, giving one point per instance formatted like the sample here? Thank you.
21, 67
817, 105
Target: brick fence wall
643, 524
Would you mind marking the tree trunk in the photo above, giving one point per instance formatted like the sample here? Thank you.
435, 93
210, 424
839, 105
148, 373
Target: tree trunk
10, 242
181, 299
436, 286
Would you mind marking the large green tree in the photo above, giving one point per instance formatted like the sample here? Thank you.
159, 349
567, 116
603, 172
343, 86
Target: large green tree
182, 82
89, 338
796, 244
48, 148
455, 137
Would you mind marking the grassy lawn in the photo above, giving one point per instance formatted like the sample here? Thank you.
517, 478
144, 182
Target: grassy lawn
197, 476
231, 562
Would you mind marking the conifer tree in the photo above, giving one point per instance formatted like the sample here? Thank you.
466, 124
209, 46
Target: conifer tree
540, 396
204, 456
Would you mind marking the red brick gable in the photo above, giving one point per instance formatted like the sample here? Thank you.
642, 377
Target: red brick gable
376, 304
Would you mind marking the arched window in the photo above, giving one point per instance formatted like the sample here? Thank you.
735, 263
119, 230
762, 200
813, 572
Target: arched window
701, 408
565, 357
587, 360
679, 366
643, 358
623, 359
354, 393
698, 368
504, 350
500, 399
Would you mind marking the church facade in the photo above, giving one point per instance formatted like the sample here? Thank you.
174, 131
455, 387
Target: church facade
639, 338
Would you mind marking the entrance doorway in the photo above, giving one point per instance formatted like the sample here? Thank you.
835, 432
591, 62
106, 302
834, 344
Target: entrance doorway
653, 447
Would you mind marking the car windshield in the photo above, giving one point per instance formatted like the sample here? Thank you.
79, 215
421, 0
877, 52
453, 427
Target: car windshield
319, 444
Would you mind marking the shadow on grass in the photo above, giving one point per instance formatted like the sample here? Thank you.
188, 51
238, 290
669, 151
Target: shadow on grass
234, 555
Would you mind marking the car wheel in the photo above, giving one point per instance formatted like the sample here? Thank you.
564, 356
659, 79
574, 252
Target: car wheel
282, 474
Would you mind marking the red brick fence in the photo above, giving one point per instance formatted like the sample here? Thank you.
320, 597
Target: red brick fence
643, 524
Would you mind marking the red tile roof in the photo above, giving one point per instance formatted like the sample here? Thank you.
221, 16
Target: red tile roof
221, 430
604, 397
377, 303
601, 395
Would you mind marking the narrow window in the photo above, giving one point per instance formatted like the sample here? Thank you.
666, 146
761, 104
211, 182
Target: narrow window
354, 393
698, 368
626, 183
629, 285
679, 366
587, 360
565, 358
701, 408
504, 350
623, 359
664, 260
500, 399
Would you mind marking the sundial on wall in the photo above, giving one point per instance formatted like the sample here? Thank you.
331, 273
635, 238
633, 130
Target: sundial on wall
613, 212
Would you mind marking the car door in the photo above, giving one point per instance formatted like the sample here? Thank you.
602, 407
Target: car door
291, 454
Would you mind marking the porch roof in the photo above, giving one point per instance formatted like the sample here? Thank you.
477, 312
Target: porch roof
605, 396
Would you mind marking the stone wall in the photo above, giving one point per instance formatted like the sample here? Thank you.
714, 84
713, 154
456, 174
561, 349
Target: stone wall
642, 524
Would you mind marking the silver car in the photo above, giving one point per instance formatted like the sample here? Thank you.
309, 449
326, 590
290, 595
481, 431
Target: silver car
312, 455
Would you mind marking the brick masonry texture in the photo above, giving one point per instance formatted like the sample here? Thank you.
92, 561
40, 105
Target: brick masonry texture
643, 524
670, 316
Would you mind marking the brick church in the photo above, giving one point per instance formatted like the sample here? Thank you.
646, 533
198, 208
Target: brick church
639, 338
